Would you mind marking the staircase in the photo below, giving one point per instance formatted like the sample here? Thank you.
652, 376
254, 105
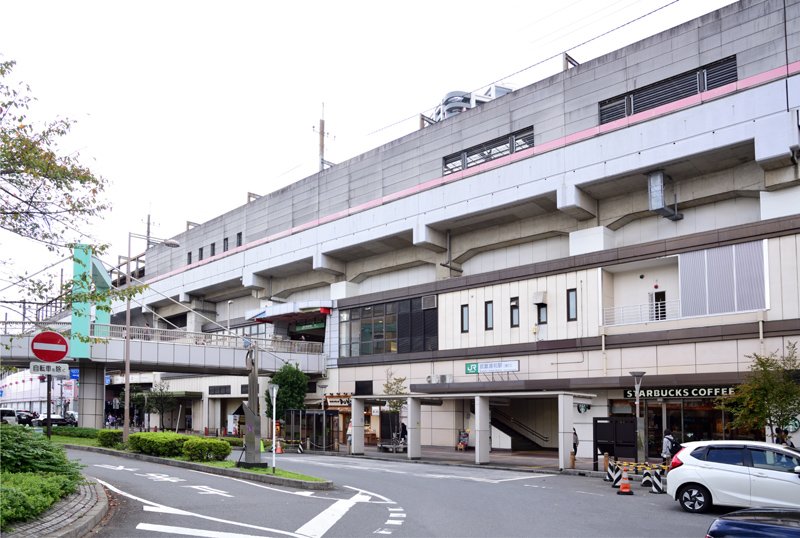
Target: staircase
523, 437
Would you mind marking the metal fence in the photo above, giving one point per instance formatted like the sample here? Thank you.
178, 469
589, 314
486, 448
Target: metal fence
642, 313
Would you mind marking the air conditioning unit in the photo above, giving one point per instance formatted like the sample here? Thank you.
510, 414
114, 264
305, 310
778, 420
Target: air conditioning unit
428, 302
446, 378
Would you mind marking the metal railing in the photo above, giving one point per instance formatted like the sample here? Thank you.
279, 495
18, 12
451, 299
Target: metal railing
521, 427
642, 313
175, 336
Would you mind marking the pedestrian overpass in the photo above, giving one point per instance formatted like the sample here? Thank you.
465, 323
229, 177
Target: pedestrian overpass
156, 350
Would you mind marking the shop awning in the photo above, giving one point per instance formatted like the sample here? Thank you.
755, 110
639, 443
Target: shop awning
291, 311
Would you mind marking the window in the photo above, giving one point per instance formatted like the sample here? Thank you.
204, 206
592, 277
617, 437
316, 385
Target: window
238, 239
728, 455
514, 314
488, 151
488, 313
219, 389
464, 318
773, 461
541, 314
670, 90
572, 304
225, 245
200, 254
399, 327
188, 258
364, 388
212, 249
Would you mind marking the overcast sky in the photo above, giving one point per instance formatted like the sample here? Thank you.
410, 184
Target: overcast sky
186, 106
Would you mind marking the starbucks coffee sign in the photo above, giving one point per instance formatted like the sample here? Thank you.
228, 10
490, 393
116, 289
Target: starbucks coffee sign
681, 392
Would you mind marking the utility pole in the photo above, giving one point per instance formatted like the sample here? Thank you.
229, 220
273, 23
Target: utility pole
322, 135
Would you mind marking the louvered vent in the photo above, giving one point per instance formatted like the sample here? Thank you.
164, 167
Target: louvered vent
721, 73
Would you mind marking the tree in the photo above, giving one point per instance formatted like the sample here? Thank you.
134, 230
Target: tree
160, 399
293, 384
44, 195
394, 386
771, 394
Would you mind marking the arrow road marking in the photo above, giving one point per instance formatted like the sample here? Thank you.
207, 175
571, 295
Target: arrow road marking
208, 490
326, 519
115, 467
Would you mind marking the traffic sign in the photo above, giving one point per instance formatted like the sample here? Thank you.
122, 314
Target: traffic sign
49, 346
49, 368
74, 373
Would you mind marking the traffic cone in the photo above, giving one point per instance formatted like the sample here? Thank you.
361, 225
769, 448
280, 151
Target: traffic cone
625, 485
278, 448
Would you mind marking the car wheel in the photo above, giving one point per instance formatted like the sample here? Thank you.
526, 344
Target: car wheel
695, 499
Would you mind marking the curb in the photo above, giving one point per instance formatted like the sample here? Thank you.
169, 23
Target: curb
232, 473
79, 522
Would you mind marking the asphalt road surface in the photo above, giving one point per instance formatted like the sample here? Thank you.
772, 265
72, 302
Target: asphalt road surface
379, 498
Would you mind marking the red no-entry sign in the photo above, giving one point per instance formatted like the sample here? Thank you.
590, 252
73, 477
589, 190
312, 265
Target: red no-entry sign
49, 346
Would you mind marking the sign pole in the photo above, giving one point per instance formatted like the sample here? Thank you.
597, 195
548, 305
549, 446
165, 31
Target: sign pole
49, 420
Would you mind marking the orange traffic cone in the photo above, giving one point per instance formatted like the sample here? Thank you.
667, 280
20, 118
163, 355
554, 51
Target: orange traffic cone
625, 485
278, 448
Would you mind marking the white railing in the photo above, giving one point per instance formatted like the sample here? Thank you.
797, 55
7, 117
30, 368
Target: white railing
642, 313
174, 336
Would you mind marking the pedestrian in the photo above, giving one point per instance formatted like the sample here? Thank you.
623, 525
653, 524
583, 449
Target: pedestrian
574, 441
666, 446
403, 431
349, 435
780, 437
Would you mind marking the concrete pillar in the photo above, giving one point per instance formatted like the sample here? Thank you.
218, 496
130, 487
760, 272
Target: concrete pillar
357, 410
414, 430
482, 429
565, 413
92, 397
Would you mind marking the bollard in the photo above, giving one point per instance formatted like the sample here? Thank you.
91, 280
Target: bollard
609, 468
617, 475
657, 486
647, 478
571, 459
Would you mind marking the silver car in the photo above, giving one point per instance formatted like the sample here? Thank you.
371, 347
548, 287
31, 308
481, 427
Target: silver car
734, 473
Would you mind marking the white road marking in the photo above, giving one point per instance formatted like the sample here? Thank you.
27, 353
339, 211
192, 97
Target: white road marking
151, 506
397, 515
371, 494
207, 490
395, 509
115, 467
185, 531
161, 477
326, 519
383, 531
524, 477
588, 493
393, 522
249, 483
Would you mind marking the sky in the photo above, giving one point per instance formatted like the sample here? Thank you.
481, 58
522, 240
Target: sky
185, 107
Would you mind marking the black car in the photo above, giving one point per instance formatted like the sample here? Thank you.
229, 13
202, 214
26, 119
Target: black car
25, 418
55, 420
757, 523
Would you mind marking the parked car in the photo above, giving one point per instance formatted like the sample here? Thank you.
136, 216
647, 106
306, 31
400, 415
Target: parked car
8, 416
25, 417
734, 473
757, 523
55, 420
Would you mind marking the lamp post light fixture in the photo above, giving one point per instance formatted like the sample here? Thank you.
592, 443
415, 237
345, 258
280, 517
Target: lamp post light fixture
171, 243
640, 448
273, 394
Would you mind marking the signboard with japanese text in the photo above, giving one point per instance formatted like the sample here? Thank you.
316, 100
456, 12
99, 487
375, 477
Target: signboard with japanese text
50, 368
493, 367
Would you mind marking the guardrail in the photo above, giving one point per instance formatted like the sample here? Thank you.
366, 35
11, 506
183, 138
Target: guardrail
642, 313
175, 336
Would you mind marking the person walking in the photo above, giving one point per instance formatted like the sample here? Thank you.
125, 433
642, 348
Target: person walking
666, 446
574, 441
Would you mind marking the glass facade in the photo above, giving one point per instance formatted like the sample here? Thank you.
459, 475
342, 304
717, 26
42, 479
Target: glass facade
396, 327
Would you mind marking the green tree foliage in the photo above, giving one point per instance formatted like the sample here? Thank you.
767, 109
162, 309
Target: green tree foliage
394, 386
292, 383
771, 394
160, 399
44, 195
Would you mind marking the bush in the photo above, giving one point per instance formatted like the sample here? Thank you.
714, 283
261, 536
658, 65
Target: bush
164, 444
201, 449
109, 438
71, 431
24, 496
233, 441
24, 451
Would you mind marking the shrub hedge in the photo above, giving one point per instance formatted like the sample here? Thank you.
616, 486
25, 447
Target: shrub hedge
24, 451
164, 444
201, 449
109, 438
24, 496
233, 441
71, 431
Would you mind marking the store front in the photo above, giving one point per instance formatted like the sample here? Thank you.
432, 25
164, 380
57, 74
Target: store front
692, 413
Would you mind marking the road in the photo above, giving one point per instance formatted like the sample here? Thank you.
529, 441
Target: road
375, 497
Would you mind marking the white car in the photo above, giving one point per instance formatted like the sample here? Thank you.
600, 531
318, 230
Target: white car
734, 473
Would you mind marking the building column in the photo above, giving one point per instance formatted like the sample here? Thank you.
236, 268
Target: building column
482, 429
565, 424
92, 395
357, 410
414, 431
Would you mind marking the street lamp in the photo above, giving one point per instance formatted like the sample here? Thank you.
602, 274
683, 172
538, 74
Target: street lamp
640, 452
171, 243
273, 394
